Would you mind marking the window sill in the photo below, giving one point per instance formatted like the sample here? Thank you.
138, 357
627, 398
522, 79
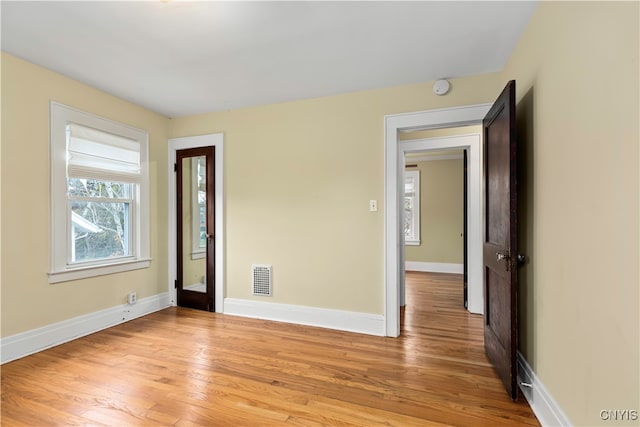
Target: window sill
412, 242
198, 255
93, 271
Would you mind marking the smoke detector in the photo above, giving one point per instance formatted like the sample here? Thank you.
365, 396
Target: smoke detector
441, 87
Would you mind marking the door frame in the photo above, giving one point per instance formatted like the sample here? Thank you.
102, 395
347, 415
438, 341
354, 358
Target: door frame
394, 171
216, 140
469, 143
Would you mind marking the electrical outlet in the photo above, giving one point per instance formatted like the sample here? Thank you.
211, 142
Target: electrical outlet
132, 298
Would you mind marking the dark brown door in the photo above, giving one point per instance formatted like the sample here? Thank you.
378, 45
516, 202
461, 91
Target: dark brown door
195, 185
500, 240
465, 243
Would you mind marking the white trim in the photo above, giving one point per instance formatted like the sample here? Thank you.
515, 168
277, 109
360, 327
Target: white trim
351, 321
438, 119
434, 267
412, 242
60, 246
543, 405
394, 165
216, 140
98, 270
434, 158
23, 344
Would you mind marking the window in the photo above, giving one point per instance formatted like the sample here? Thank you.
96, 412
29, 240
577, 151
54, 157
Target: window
412, 207
99, 196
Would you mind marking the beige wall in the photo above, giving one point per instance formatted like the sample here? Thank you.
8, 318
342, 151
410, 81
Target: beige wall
576, 68
28, 300
298, 179
441, 212
446, 245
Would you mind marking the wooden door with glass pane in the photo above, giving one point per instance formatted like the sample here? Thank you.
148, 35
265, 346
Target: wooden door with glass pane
195, 187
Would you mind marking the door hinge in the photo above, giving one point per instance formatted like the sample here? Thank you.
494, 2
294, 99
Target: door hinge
175, 284
175, 167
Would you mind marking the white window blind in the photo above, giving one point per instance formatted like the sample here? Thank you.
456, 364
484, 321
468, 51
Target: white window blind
100, 155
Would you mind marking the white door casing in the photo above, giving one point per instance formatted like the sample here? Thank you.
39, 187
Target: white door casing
216, 140
394, 166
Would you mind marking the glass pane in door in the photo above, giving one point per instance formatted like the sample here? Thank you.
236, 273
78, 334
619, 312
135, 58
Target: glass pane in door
194, 226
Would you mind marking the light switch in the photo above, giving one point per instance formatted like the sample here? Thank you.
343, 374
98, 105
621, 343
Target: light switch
373, 205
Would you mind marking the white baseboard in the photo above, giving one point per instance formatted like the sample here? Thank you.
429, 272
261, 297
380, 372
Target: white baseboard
434, 267
25, 343
545, 408
351, 321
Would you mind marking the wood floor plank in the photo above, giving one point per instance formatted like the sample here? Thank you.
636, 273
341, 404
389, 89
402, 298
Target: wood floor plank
185, 367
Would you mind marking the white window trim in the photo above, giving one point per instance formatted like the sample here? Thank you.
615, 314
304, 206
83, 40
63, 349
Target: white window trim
416, 209
60, 270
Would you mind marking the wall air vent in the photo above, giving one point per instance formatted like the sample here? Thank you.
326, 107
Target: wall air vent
261, 279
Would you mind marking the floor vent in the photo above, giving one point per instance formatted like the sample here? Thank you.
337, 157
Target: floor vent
261, 280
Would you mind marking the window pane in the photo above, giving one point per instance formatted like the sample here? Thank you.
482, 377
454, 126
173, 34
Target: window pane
202, 199
411, 214
81, 187
408, 217
203, 218
409, 186
99, 230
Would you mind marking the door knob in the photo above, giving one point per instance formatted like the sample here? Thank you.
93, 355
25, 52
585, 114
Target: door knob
209, 236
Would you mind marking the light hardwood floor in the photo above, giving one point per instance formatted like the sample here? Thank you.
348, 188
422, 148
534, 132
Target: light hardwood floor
185, 367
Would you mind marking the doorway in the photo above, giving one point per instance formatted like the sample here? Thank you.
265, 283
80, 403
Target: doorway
444, 203
437, 206
394, 164
196, 241
458, 143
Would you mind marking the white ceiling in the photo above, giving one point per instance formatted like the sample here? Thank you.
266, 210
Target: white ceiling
181, 58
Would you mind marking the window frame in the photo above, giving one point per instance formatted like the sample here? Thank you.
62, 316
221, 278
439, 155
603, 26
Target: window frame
414, 240
61, 268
